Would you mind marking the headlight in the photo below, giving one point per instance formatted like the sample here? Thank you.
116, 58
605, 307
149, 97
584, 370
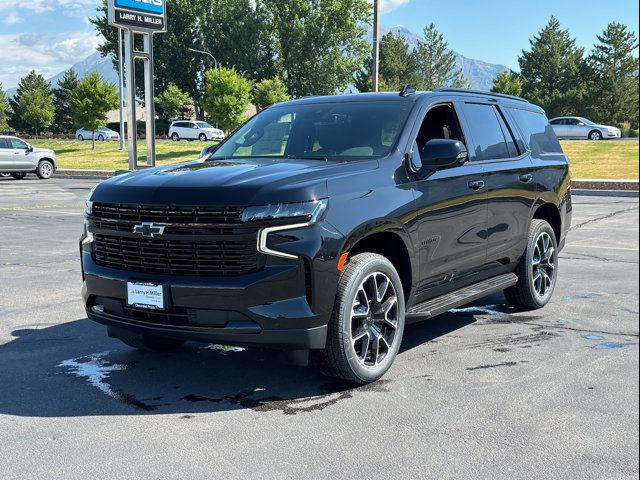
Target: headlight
304, 211
301, 214
88, 207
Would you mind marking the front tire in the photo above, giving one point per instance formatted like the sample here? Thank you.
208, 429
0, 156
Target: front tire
45, 170
595, 135
538, 269
367, 324
100, 138
175, 137
202, 137
81, 138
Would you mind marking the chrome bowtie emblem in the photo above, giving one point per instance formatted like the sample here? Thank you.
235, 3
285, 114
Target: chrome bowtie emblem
148, 229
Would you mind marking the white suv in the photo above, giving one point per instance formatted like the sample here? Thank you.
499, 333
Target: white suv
194, 130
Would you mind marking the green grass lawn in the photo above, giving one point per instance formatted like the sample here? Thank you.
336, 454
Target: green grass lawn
106, 156
605, 159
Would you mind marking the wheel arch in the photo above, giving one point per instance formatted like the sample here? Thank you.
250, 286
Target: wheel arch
390, 241
48, 159
550, 213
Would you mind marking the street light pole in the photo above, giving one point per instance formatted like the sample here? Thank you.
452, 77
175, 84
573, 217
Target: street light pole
215, 62
375, 74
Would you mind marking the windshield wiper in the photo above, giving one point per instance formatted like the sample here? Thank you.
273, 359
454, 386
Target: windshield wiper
302, 157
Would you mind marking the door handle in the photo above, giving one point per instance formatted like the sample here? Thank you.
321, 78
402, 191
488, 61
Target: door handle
476, 184
526, 177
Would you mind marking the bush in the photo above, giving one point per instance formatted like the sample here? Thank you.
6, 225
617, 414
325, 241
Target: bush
631, 133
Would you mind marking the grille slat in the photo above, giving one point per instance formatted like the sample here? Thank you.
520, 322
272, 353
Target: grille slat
221, 246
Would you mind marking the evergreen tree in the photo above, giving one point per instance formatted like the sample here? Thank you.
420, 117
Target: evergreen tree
436, 63
4, 106
397, 66
63, 120
615, 69
32, 105
553, 71
508, 83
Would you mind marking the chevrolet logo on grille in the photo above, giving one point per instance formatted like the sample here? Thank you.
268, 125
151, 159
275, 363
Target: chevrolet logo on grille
148, 229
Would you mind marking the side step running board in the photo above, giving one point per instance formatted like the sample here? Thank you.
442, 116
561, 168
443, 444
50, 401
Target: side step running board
442, 304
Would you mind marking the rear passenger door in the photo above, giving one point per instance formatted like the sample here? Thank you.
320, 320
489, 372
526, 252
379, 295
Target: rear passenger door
511, 191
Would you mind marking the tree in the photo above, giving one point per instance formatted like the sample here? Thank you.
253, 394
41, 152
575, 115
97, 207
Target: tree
397, 66
553, 71
436, 63
63, 120
33, 91
615, 68
507, 82
4, 106
202, 25
173, 102
91, 100
270, 91
319, 43
228, 97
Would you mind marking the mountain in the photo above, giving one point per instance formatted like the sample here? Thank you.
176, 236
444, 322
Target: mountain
94, 62
479, 73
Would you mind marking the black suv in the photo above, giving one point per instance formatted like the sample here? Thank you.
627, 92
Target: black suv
323, 225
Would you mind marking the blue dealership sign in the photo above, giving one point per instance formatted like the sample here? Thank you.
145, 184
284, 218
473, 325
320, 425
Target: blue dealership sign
155, 7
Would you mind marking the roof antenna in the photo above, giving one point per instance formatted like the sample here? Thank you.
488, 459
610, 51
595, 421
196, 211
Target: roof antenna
407, 90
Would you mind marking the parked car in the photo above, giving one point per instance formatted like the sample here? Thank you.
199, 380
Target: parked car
194, 130
103, 134
18, 158
324, 225
582, 128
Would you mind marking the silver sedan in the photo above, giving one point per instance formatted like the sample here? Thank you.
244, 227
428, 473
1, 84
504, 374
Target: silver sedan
103, 134
582, 128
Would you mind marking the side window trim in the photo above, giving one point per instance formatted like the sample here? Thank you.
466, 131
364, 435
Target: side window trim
422, 114
508, 134
472, 154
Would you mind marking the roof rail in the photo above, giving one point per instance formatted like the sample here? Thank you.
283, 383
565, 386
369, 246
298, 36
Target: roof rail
480, 92
407, 90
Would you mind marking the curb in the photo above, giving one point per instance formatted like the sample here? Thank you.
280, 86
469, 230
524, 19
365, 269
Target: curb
605, 193
73, 173
602, 184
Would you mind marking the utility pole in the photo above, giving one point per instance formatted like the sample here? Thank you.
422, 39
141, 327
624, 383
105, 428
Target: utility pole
375, 74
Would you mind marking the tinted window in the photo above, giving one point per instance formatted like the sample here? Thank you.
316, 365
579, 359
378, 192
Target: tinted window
508, 134
557, 121
4, 143
342, 131
485, 131
537, 132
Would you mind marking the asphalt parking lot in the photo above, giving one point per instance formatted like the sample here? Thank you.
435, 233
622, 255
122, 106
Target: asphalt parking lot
481, 392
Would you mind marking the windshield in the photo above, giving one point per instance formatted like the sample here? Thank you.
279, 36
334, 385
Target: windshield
203, 125
337, 131
586, 121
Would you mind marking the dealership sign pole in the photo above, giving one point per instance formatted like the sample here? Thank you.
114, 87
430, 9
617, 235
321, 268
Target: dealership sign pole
142, 17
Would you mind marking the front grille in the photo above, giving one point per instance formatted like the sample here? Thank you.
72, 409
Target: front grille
196, 240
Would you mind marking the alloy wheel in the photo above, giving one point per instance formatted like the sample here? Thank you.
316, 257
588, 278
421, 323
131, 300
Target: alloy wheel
46, 169
543, 265
374, 319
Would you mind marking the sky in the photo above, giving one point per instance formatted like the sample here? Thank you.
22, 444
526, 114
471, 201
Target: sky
51, 35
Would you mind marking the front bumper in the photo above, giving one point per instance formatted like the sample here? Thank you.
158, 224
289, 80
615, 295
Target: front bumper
270, 307
613, 135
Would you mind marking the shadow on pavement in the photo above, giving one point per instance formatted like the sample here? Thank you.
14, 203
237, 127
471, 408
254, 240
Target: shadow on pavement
74, 369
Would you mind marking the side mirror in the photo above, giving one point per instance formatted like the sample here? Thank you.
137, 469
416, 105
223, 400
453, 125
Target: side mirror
580, 124
208, 150
441, 153
30, 148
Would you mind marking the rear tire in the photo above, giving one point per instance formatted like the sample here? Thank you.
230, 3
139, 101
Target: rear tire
19, 176
367, 324
538, 269
45, 170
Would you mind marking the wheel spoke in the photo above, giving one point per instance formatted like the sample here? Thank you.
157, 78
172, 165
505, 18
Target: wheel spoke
366, 342
375, 349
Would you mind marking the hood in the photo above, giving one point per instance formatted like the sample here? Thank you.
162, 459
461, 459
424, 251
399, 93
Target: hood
609, 127
43, 150
244, 182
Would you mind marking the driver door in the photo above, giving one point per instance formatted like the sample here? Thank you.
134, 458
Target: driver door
451, 211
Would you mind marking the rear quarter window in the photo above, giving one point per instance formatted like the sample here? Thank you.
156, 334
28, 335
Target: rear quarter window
536, 130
